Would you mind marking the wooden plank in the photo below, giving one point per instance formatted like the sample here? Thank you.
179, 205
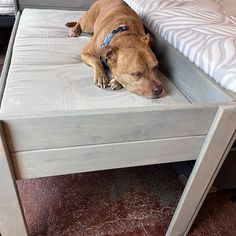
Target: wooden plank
192, 81
100, 157
56, 4
25, 134
12, 221
212, 155
16, 7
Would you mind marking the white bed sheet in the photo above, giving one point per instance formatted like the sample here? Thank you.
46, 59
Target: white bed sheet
203, 30
47, 74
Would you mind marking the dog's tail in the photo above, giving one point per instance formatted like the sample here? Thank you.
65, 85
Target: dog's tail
71, 24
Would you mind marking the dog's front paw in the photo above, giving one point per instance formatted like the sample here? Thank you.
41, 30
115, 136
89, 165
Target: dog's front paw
115, 85
101, 80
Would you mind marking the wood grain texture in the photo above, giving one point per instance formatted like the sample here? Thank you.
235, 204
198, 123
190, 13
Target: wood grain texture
16, 7
25, 134
40, 163
213, 153
56, 4
12, 221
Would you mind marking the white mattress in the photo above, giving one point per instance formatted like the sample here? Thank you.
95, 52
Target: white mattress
47, 74
6, 7
203, 30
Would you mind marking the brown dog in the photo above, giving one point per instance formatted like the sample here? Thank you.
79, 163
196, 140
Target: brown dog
128, 54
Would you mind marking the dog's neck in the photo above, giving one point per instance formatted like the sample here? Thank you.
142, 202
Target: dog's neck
120, 29
125, 39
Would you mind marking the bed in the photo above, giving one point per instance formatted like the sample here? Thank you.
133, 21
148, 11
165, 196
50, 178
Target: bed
54, 121
203, 31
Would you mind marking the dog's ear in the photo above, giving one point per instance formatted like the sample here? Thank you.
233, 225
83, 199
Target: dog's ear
108, 52
147, 38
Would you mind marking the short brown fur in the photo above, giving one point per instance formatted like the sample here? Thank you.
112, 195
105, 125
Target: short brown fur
129, 56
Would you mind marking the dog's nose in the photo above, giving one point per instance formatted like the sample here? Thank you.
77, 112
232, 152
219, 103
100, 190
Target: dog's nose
157, 90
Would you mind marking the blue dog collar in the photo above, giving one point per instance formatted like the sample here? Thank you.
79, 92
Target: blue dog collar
108, 39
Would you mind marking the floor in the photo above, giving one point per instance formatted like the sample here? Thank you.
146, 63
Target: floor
123, 202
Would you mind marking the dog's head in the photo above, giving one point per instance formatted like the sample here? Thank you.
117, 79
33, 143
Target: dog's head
135, 67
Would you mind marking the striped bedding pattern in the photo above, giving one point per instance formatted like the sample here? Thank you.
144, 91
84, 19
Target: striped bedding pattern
203, 30
6, 7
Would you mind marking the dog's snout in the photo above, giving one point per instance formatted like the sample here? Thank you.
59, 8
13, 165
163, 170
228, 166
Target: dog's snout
157, 90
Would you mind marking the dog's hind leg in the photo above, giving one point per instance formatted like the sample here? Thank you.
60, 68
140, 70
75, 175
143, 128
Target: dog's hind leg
86, 22
75, 30
100, 77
